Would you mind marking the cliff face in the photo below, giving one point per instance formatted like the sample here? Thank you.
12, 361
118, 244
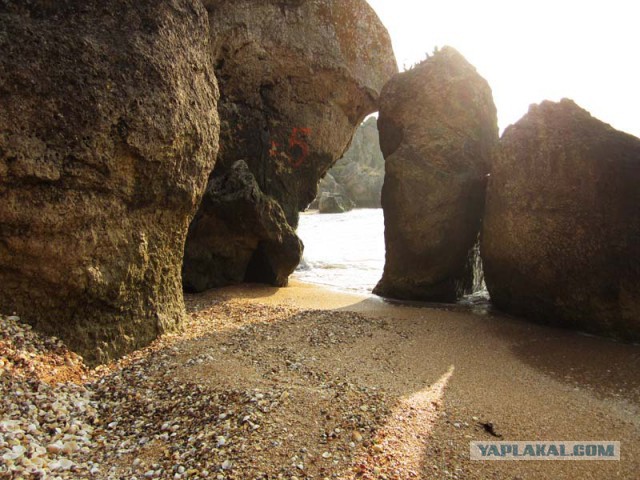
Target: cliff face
561, 235
361, 171
438, 131
108, 130
296, 79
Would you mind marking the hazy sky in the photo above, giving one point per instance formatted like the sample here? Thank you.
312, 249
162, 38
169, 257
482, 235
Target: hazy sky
532, 50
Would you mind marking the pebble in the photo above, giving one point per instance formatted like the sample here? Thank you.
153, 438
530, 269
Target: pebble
70, 448
54, 448
136, 406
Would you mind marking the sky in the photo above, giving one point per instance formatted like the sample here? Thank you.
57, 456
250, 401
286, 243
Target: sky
532, 50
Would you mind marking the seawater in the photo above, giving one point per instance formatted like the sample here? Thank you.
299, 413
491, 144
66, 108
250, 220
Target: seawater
346, 252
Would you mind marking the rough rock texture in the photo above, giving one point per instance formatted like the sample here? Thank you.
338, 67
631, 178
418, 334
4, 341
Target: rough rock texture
361, 171
327, 185
438, 131
108, 130
561, 240
296, 78
235, 222
334, 203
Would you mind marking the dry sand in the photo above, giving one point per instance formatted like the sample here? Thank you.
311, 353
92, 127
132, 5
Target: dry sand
304, 382
532, 382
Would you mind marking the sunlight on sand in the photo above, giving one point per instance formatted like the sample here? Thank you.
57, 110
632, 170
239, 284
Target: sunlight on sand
399, 447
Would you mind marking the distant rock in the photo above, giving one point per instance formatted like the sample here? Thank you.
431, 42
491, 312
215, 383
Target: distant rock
327, 185
108, 130
561, 241
438, 132
334, 203
235, 221
296, 79
361, 171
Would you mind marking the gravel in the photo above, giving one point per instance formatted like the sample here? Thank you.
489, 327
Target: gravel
255, 388
156, 414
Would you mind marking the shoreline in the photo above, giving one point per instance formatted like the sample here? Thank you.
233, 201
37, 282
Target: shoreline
482, 309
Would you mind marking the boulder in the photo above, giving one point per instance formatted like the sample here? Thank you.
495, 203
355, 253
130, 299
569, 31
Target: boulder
108, 131
239, 234
296, 77
438, 132
334, 203
327, 185
361, 170
561, 238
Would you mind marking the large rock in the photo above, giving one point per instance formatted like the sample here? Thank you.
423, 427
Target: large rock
561, 241
438, 131
296, 78
361, 170
249, 227
108, 131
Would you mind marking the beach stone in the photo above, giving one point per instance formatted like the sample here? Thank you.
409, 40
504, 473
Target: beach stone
438, 131
239, 234
108, 132
562, 228
296, 78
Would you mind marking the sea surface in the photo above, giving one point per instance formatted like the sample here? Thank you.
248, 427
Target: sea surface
346, 252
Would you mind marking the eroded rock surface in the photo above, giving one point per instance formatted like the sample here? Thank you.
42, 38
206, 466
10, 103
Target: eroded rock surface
334, 203
361, 171
239, 234
108, 131
438, 131
561, 240
328, 185
296, 79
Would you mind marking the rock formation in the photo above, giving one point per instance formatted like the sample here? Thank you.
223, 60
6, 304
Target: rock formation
561, 239
328, 187
249, 228
334, 203
438, 131
361, 171
108, 130
296, 78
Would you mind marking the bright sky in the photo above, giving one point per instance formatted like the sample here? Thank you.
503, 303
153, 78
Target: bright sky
533, 50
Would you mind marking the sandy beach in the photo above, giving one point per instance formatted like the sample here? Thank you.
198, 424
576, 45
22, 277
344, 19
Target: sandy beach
305, 382
532, 382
